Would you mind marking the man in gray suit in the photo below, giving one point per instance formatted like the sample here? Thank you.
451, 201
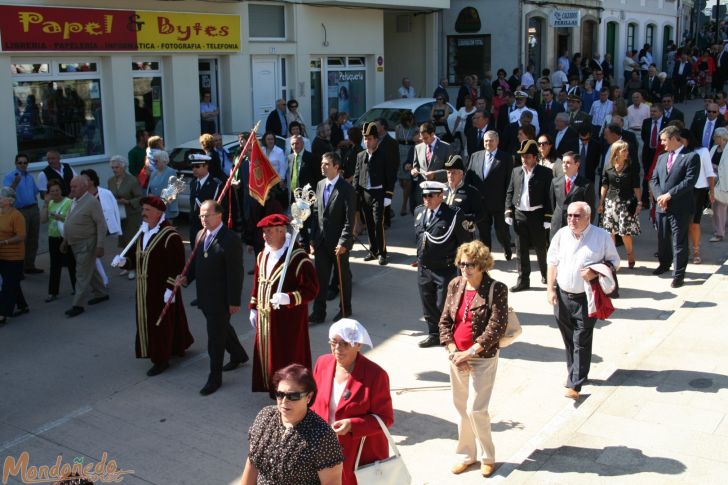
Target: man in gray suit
672, 186
430, 158
331, 236
84, 232
218, 269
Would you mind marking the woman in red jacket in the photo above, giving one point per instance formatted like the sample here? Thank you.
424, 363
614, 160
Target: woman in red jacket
350, 389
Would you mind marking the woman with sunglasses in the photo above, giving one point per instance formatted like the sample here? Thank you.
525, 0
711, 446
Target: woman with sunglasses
547, 155
352, 389
471, 326
289, 443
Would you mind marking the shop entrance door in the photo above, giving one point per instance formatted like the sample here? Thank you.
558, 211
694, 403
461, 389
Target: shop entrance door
208, 84
265, 86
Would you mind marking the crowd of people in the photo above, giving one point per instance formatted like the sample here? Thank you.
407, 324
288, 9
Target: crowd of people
562, 164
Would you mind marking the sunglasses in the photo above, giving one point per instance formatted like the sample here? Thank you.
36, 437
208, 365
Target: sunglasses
573, 216
429, 196
290, 396
543, 143
464, 265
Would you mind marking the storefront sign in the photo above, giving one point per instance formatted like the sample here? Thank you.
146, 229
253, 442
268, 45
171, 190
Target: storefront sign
565, 18
32, 29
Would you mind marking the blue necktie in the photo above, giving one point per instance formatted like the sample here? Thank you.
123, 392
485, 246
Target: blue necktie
707, 133
327, 193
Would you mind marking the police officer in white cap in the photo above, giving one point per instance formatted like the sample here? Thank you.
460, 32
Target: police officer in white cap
439, 229
515, 115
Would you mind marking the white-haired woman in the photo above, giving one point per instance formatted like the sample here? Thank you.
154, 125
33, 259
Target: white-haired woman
12, 256
351, 389
719, 159
128, 193
160, 180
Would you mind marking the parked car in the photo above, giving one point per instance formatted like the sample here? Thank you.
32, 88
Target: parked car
178, 161
392, 111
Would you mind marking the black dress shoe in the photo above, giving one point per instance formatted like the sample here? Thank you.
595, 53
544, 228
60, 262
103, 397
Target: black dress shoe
33, 271
317, 318
211, 386
331, 294
194, 302
21, 311
543, 280
157, 369
509, 255
98, 299
341, 315
74, 311
430, 341
370, 257
660, 270
677, 282
520, 287
382, 260
251, 271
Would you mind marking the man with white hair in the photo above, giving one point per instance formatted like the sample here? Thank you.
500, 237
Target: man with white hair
573, 250
84, 232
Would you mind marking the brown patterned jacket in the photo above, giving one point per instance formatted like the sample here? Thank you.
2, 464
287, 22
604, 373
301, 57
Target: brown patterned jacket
489, 324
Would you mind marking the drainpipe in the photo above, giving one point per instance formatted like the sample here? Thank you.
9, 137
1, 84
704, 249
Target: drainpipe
520, 37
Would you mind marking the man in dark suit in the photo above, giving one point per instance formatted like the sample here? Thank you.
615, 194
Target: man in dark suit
548, 111
331, 236
489, 171
670, 113
576, 115
474, 133
463, 195
303, 169
589, 153
650, 84
390, 147
672, 185
566, 139
276, 121
204, 187
703, 129
429, 160
572, 187
218, 270
439, 231
680, 74
374, 183
528, 209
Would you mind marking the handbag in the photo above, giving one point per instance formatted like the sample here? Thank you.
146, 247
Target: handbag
143, 177
513, 328
720, 194
390, 471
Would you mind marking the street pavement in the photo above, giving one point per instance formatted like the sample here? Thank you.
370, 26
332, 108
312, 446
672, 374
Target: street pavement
654, 410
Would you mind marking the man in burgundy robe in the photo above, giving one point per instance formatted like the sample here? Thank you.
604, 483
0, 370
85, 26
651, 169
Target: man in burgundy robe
158, 258
281, 319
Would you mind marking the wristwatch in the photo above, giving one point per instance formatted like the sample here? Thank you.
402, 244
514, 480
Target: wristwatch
472, 351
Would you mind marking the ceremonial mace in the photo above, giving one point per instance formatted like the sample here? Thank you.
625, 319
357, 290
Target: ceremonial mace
224, 191
169, 193
303, 199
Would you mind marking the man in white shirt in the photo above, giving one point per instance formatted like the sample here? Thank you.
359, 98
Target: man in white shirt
406, 90
527, 79
515, 115
637, 112
559, 79
573, 249
600, 109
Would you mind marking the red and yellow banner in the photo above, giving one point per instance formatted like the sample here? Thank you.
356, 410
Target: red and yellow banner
34, 29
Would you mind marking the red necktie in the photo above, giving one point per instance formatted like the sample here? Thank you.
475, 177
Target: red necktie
653, 136
568, 185
429, 153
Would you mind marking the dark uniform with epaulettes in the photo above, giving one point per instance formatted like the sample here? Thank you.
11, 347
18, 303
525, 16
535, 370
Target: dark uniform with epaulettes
465, 197
439, 235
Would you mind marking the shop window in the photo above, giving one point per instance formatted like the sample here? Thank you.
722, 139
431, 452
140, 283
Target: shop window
145, 66
535, 42
340, 85
148, 108
77, 67
467, 55
59, 114
631, 35
267, 21
347, 92
21, 69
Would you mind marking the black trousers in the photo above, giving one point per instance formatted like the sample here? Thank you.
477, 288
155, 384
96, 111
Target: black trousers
502, 233
11, 294
221, 336
58, 261
530, 233
577, 330
373, 208
433, 290
672, 241
326, 265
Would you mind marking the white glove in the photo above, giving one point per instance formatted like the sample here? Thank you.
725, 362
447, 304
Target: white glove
279, 299
547, 225
253, 318
509, 221
387, 202
118, 261
168, 295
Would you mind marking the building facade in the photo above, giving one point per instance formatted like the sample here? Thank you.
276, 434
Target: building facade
82, 76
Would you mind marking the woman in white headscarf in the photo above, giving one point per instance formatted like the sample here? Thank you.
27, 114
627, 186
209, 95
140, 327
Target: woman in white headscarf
351, 388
